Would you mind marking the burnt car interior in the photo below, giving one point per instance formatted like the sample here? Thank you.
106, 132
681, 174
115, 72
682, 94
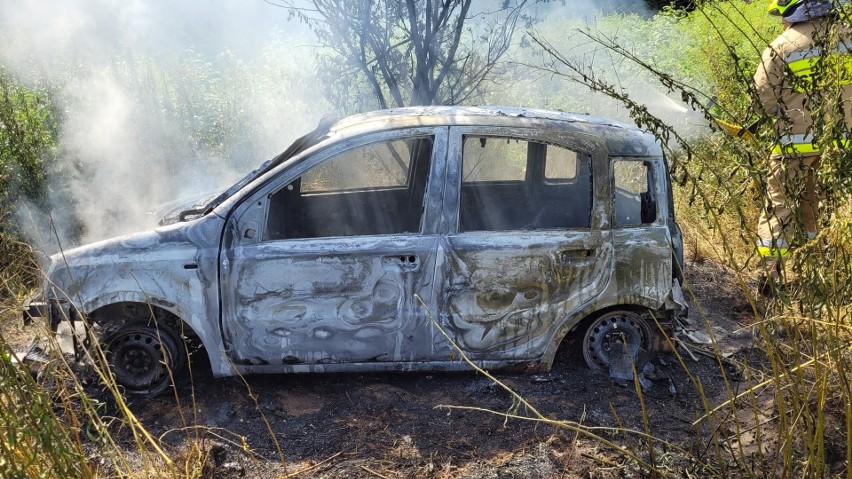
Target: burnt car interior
635, 200
369, 190
507, 184
515, 184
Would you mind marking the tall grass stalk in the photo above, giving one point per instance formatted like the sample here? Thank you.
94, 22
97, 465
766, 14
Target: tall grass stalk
35, 442
803, 331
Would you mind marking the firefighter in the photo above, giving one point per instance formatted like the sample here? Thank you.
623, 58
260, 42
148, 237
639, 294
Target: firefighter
787, 91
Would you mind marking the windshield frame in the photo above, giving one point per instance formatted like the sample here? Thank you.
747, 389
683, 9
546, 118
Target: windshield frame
301, 144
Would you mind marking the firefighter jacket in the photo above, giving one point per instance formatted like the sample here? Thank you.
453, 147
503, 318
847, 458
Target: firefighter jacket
791, 80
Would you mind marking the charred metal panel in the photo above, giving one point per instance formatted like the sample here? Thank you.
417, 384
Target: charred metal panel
643, 265
333, 300
507, 291
172, 267
621, 139
457, 364
641, 277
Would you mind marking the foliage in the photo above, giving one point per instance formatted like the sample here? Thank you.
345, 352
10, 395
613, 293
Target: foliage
687, 5
27, 132
138, 131
724, 43
411, 53
27, 138
803, 329
35, 443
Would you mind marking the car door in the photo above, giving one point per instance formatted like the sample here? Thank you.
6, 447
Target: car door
529, 241
320, 267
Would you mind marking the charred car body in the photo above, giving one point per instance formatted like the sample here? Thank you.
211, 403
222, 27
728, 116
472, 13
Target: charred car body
515, 227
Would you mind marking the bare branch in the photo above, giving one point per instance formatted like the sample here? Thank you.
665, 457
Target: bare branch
412, 51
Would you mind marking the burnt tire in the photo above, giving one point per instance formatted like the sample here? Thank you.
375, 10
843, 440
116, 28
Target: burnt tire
144, 358
626, 326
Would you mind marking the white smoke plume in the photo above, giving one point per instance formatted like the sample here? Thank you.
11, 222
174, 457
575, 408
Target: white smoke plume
157, 100
160, 99
569, 29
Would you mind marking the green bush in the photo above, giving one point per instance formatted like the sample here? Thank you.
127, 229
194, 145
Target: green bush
28, 130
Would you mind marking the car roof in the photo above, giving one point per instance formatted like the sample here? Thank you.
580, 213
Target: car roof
621, 139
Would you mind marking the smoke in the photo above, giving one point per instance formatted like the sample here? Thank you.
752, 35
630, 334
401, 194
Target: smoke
161, 99
569, 29
156, 100
589, 10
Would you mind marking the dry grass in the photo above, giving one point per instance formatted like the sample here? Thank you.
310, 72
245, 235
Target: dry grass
787, 414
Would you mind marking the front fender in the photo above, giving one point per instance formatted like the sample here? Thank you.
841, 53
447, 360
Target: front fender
173, 268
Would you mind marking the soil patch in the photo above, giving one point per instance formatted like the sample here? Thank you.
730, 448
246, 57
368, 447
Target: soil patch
438, 424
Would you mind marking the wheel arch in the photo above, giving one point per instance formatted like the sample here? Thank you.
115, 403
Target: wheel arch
134, 310
584, 323
579, 322
185, 323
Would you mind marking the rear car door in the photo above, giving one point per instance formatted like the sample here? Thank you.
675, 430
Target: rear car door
324, 262
528, 239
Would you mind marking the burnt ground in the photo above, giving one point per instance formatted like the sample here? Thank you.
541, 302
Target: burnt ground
394, 425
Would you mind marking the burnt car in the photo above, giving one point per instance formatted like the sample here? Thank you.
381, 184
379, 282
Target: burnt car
516, 228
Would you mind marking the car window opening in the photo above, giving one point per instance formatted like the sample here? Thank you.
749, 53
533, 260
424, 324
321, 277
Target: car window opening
635, 200
372, 189
523, 185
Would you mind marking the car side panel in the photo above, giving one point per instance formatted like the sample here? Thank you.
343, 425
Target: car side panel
305, 304
507, 292
335, 301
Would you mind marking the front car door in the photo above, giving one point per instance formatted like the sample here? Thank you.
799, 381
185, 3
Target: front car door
324, 262
529, 242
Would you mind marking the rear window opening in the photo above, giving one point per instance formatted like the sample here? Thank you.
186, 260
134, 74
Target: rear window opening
635, 200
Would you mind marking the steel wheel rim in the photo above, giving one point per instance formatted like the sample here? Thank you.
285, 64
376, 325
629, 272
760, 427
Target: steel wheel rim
622, 324
141, 358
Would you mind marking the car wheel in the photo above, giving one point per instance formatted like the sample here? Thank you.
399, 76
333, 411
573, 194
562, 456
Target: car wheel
617, 325
142, 357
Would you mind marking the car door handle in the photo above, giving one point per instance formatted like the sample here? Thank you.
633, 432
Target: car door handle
402, 262
568, 255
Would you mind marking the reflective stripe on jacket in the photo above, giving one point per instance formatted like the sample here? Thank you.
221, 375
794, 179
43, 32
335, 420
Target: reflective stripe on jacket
773, 248
802, 64
790, 145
